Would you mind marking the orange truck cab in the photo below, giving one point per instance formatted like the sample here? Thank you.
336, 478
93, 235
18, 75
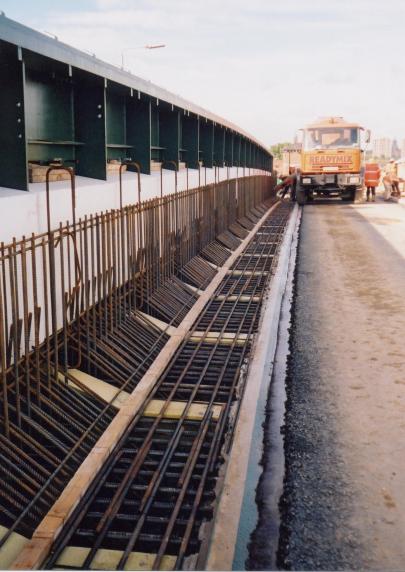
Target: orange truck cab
332, 160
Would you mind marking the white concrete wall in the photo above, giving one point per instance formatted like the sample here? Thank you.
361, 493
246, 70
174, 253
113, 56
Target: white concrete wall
23, 213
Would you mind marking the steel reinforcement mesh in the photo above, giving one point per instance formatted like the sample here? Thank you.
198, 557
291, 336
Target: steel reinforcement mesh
158, 487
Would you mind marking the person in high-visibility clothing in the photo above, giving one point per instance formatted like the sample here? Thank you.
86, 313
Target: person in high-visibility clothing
372, 176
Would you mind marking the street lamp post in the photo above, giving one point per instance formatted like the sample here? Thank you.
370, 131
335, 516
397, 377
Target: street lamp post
147, 47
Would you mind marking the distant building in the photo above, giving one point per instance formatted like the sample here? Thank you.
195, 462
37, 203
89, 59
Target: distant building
395, 150
382, 147
291, 157
403, 149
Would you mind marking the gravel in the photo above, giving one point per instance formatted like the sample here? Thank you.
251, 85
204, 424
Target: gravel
316, 505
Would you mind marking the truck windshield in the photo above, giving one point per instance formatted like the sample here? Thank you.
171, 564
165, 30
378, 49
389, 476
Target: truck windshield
331, 137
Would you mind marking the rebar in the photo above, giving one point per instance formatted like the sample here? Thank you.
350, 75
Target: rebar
162, 473
72, 298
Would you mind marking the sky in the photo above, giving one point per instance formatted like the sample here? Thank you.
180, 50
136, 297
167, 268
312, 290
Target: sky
270, 66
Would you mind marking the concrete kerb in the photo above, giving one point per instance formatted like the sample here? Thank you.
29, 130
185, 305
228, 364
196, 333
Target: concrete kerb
38, 548
227, 518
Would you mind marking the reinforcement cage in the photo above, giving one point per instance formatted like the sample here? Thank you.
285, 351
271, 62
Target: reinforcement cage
86, 276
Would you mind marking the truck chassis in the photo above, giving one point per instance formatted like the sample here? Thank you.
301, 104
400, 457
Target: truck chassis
347, 186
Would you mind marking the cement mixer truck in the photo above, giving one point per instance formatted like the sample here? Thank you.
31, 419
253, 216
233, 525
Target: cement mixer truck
332, 160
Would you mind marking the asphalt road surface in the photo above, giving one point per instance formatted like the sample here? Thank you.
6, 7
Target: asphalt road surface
343, 505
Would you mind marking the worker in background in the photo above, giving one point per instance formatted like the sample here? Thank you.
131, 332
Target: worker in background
282, 186
372, 176
395, 182
391, 171
390, 167
387, 182
289, 183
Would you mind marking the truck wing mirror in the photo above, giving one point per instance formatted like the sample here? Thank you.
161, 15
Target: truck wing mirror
368, 136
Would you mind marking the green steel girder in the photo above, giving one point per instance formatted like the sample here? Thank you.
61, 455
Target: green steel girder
190, 140
207, 143
90, 127
219, 145
41, 44
169, 137
57, 102
13, 155
139, 131
237, 150
229, 148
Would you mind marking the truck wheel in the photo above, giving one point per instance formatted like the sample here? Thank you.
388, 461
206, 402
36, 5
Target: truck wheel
348, 196
358, 195
300, 195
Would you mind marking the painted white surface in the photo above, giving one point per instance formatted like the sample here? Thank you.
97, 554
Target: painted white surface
23, 213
